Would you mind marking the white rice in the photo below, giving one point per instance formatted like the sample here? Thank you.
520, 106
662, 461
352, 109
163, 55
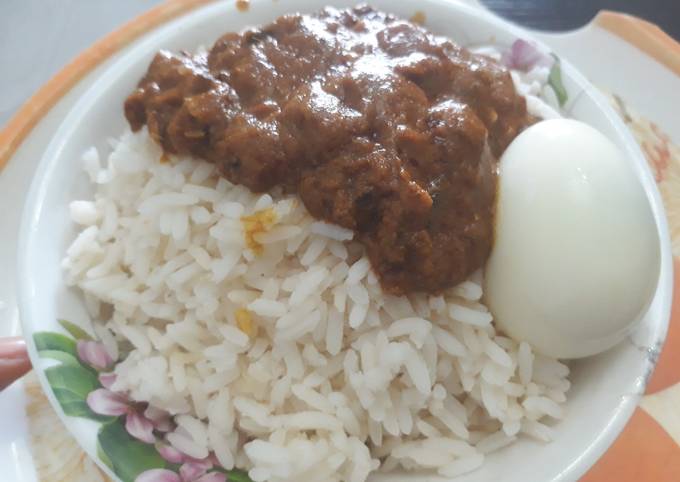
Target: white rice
292, 363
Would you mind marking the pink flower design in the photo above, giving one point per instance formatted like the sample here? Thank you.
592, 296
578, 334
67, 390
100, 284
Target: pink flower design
94, 354
158, 475
105, 402
170, 453
212, 477
524, 56
107, 379
141, 420
139, 427
160, 418
192, 470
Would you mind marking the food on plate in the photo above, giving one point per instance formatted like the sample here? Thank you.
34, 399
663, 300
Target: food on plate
379, 126
283, 258
264, 356
576, 258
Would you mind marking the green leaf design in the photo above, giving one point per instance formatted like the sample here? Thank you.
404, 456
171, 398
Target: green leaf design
71, 383
61, 348
234, 475
75, 406
61, 356
129, 457
73, 378
555, 81
103, 457
55, 342
237, 475
76, 332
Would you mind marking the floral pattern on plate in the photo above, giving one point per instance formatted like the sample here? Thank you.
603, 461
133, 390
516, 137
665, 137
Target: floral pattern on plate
131, 439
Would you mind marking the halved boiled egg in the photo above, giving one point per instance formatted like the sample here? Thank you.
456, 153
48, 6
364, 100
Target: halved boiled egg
576, 256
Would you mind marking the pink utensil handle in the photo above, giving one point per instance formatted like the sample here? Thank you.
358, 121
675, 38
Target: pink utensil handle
14, 361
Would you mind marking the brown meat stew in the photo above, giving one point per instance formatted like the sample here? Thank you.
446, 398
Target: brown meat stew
378, 125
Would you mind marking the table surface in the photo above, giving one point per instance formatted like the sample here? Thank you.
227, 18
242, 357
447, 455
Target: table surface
38, 37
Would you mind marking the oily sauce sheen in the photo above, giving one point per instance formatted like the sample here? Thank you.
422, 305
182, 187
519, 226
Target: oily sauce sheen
378, 125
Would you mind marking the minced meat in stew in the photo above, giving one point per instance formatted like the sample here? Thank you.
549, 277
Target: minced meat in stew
378, 125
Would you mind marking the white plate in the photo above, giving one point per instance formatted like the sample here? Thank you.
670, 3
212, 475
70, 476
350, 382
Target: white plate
585, 442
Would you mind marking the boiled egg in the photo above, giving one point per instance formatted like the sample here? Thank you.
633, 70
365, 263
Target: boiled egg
576, 256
